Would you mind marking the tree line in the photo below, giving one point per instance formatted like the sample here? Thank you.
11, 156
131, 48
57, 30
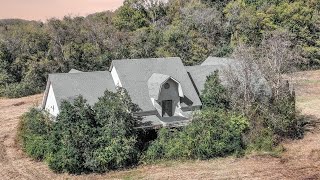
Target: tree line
190, 29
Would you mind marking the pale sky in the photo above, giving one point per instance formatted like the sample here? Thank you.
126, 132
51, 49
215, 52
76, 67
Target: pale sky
45, 9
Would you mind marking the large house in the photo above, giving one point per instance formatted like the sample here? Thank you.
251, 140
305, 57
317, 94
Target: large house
165, 90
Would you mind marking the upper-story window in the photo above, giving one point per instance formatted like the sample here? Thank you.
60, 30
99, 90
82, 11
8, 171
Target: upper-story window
166, 85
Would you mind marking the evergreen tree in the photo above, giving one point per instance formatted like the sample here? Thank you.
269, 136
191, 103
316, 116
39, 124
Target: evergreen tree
97, 139
72, 137
214, 94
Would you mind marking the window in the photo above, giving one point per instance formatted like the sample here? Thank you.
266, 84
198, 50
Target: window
167, 86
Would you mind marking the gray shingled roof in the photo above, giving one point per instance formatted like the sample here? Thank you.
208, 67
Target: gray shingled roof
258, 82
199, 75
74, 71
134, 75
91, 85
218, 61
155, 83
154, 121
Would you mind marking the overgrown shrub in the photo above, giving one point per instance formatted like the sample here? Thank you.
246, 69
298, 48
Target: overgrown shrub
84, 138
214, 94
212, 133
283, 119
115, 144
94, 139
263, 140
17, 90
34, 130
72, 137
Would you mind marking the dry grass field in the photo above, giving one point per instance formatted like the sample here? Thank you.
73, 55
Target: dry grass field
301, 160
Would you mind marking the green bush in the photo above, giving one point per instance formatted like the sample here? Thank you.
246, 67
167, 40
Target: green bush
16, 90
72, 136
212, 133
214, 94
36, 146
115, 144
283, 118
119, 152
263, 141
84, 138
33, 134
94, 139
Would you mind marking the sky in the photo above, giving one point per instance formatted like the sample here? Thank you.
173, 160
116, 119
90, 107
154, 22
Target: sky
45, 9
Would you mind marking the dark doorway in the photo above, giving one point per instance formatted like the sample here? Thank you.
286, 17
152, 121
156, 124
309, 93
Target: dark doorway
167, 108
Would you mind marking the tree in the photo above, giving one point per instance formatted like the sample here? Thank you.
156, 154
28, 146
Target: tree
115, 144
250, 20
128, 17
72, 137
275, 104
272, 58
214, 94
95, 139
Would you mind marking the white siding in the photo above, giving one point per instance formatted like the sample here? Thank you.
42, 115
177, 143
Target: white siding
115, 77
51, 103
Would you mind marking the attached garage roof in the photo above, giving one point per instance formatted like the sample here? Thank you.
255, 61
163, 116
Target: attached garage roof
91, 85
258, 82
199, 75
219, 61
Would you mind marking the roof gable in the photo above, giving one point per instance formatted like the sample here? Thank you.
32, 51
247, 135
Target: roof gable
135, 73
91, 85
155, 83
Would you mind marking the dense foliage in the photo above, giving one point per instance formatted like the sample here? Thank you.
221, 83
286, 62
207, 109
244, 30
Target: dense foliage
189, 29
212, 133
214, 94
103, 137
34, 132
84, 138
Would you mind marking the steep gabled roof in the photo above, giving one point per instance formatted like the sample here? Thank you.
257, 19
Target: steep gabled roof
155, 83
134, 75
91, 85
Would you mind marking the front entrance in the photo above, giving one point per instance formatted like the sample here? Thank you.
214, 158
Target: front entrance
167, 108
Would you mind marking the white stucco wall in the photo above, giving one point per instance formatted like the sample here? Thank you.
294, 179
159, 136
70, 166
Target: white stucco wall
115, 77
51, 103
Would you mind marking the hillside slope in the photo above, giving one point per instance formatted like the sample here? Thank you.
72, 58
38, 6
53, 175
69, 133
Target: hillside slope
300, 161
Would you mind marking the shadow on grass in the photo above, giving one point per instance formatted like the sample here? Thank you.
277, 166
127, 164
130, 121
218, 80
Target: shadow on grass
310, 123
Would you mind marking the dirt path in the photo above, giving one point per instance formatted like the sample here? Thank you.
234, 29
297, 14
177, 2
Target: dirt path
300, 161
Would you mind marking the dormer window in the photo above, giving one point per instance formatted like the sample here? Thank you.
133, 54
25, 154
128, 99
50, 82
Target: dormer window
165, 93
